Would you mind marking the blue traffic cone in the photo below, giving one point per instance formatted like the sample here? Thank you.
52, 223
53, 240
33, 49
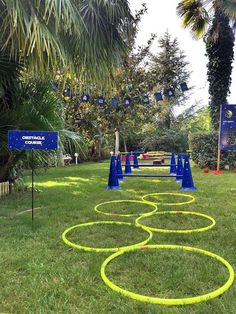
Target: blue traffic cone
119, 168
113, 182
173, 169
127, 164
136, 166
187, 182
180, 169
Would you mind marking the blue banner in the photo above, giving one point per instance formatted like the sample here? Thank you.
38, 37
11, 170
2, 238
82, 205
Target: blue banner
24, 140
228, 127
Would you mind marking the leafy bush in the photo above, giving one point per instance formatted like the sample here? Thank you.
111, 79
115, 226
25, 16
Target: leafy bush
171, 140
132, 141
204, 151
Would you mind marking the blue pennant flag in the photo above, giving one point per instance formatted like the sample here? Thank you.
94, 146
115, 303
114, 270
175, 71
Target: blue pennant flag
100, 101
136, 99
115, 102
170, 92
54, 85
85, 98
146, 100
67, 92
158, 96
184, 87
127, 101
77, 118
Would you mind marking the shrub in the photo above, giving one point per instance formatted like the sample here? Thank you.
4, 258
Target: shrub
204, 151
170, 141
132, 141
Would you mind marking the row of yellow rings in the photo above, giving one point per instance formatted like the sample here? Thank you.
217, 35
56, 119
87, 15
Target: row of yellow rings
162, 301
122, 250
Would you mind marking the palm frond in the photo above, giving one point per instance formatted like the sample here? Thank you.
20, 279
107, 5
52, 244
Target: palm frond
194, 16
81, 35
228, 7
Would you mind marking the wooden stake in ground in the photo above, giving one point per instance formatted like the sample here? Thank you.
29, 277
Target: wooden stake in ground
219, 141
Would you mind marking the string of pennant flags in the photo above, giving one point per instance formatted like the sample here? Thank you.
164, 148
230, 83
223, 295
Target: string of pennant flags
127, 101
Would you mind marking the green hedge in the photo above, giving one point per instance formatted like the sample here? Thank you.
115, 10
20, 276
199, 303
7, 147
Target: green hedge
171, 141
204, 151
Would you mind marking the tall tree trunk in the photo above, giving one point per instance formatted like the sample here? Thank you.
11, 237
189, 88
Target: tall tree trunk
219, 48
99, 149
166, 116
60, 160
125, 145
117, 144
5, 168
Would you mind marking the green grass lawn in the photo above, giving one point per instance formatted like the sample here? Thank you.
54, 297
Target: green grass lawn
41, 274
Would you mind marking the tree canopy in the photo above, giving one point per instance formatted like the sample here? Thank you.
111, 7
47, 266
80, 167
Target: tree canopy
88, 37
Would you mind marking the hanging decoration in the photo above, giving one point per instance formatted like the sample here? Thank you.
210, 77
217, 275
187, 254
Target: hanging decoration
145, 99
54, 85
85, 98
158, 96
184, 87
67, 92
136, 99
127, 101
115, 102
100, 101
77, 118
169, 92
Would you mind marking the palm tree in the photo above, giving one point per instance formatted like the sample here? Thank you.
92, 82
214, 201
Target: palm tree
86, 36
213, 19
197, 14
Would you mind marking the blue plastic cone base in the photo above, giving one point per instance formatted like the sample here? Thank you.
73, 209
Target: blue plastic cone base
120, 177
127, 171
114, 187
193, 188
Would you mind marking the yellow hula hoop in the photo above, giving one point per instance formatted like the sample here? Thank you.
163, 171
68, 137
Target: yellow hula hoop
213, 222
125, 201
163, 301
94, 249
192, 198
